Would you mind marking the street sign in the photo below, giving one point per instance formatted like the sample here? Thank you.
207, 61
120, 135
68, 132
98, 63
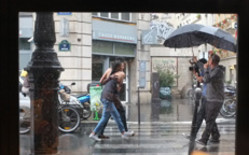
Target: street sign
64, 45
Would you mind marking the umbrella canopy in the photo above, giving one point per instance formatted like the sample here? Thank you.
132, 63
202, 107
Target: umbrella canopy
196, 34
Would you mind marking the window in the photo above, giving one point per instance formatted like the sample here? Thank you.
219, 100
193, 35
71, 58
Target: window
104, 47
122, 16
95, 13
104, 14
116, 49
114, 15
97, 71
124, 49
125, 16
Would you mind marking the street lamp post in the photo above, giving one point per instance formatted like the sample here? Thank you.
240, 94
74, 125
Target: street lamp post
44, 71
198, 94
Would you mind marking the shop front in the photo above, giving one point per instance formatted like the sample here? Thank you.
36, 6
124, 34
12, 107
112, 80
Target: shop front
111, 40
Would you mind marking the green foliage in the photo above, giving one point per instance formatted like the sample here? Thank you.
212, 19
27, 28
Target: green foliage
166, 77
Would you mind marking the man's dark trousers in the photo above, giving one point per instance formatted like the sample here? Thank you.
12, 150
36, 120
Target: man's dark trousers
212, 112
201, 116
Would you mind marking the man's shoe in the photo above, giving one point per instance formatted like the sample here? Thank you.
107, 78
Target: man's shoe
186, 136
214, 140
94, 137
201, 142
103, 137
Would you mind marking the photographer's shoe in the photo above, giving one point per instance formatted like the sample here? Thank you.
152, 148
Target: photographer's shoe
212, 140
200, 141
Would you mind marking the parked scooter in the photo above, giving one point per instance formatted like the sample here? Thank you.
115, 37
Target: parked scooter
83, 100
69, 112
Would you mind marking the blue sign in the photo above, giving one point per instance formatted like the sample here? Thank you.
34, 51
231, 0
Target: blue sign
64, 45
64, 13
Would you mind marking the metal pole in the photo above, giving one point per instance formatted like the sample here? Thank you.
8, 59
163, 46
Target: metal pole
138, 105
197, 100
44, 71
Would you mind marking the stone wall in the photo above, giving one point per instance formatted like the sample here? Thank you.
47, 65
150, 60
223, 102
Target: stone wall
230, 73
142, 53
77, 62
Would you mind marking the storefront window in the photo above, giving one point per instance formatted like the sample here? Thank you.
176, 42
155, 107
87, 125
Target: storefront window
103, 47
124, 49
96, 71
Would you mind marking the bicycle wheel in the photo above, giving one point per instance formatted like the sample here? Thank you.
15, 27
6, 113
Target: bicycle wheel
229, 106
228, 109
69, 119
24, 120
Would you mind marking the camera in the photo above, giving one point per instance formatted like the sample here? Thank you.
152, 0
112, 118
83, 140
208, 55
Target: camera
194, 68
197, 66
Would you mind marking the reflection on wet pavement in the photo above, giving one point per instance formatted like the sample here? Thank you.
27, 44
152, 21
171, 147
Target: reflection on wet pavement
161, 135
164, 111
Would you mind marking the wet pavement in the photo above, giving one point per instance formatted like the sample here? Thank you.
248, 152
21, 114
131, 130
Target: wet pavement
155, 135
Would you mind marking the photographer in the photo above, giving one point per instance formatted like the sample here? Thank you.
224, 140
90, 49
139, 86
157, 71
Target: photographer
213, 77
197, 67
198, 71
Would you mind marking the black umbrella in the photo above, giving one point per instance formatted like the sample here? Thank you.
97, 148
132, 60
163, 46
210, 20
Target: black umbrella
196, 34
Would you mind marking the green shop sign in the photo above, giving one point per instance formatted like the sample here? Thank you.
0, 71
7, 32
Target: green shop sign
64, 45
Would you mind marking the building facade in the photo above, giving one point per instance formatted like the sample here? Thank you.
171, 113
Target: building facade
87, 44
95, 40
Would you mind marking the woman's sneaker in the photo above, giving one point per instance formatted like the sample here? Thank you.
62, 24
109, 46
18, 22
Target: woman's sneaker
94, 137
132, 133
127, 134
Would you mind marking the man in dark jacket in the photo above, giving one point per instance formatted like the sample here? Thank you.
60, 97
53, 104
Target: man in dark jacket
213, 77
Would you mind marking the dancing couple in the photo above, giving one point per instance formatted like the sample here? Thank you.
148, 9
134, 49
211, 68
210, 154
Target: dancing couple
113, 80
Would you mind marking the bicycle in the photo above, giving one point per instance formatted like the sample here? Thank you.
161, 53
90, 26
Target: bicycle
228, 109
68, 118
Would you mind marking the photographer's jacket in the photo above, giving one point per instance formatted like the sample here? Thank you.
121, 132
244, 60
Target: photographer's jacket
215, 85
